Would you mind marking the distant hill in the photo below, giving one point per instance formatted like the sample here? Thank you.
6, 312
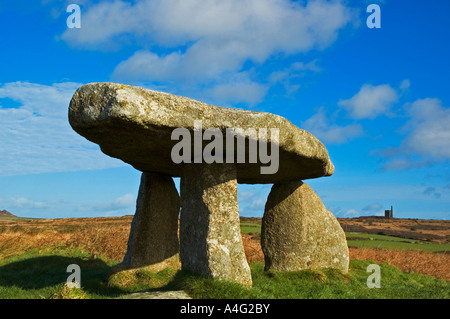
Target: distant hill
5, 213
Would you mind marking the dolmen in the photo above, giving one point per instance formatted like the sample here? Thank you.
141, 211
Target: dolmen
212, 149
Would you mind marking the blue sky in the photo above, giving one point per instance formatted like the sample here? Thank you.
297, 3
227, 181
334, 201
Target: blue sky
379, 99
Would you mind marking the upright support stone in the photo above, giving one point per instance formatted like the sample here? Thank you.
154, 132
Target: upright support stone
298, 232
210, 237
153, 241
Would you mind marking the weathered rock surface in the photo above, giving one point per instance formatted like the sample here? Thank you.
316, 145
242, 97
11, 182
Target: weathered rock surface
5, 213
298, 232
153, 241
210, 237
158, 295
135, 125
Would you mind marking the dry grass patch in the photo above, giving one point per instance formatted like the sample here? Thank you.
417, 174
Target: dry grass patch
108, 237
432, 264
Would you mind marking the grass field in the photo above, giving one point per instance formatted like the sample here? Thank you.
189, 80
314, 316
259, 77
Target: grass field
361, 240
41, 274
34, 255
250, 228
374, 241
325, 283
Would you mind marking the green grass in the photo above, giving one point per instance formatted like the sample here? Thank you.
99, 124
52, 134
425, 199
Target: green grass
250, 228
371, 240
42, 274
16, 218
390, 242
322, 284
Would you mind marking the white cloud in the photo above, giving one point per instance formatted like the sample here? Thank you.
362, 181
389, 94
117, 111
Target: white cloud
225, 33
102, 21
375, 209
208, 42
351, 213
36, 137
372, 207
288, 76
252, 199
253, 28
405, 85
144, 64
239, 90
125, 202
321, 127
399, 164
258, 203
428, 136
43, 100
370, 102
310, 66
25, 203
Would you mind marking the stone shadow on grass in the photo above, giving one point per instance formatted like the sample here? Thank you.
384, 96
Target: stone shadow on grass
47, 271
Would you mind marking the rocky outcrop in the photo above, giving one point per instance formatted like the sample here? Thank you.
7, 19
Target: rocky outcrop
5, 213
210, 235
298, 232
212, 149
153, 240
178, 294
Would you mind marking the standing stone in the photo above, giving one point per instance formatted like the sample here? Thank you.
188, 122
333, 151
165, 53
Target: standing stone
153, 241
298, 232
211, 242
